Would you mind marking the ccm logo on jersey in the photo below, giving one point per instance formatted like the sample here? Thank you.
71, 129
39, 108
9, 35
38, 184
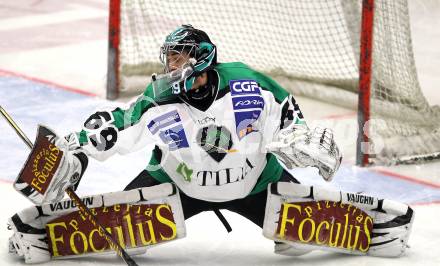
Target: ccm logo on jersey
248, 102
244, 86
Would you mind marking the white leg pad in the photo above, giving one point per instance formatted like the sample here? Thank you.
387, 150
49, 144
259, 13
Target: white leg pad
309, 217
30, 237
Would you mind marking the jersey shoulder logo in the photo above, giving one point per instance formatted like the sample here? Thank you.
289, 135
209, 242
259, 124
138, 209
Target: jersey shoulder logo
170, 130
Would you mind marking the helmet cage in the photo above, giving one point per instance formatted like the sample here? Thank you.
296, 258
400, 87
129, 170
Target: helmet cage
176, 48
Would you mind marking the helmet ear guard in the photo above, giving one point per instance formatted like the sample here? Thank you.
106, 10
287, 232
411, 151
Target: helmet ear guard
199, 67
206, 57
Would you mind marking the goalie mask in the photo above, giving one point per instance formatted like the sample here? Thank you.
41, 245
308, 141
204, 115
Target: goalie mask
187, 53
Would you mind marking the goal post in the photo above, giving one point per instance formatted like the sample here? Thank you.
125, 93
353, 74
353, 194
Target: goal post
365, 72
113, 60
353, 53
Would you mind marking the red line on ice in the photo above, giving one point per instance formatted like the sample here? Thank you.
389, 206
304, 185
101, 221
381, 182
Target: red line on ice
408, 178
341, 116
6, 181
385, 172
46, 82
426, 203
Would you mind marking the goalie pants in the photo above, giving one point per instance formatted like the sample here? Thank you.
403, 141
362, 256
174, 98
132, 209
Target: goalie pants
252, 207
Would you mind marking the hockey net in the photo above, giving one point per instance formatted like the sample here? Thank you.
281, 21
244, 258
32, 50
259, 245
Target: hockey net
310, 47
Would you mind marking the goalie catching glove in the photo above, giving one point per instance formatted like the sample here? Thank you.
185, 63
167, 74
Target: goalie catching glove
297, 146
50, 168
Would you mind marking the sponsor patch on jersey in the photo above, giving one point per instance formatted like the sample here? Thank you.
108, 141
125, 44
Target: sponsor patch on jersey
244, 87
225, 176
164, 121
206, 120
185, 171
170, 129
248, 102
175, 137
244, 121
216, 141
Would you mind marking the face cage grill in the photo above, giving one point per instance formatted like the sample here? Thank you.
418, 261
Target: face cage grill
190, 49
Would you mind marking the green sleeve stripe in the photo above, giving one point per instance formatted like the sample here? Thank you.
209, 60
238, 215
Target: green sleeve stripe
299, 121
131, 116
123, 118
158, 174
271, 174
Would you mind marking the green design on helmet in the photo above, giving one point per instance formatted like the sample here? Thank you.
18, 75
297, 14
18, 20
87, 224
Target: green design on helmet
193, 42
176, 35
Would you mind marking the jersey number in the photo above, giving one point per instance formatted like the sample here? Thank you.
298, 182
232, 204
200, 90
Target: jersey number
103, 134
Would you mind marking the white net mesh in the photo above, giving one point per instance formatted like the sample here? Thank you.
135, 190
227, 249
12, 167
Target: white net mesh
310, 47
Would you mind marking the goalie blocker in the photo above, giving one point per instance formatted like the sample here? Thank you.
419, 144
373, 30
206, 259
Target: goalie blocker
50, 168
136, 219
304, 218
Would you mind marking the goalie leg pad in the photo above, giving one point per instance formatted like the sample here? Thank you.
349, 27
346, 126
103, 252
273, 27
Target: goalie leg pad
390, 234
344, 222
137, 219
28, 242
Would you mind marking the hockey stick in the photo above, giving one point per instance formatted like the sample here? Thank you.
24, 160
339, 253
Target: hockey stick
81, 206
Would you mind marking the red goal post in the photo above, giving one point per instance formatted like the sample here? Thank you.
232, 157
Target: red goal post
365, 73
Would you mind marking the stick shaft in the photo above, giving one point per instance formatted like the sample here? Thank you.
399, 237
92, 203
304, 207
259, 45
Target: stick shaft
88, 214
16, 127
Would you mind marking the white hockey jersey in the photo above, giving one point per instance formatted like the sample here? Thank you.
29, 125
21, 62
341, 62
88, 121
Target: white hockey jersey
214, 155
